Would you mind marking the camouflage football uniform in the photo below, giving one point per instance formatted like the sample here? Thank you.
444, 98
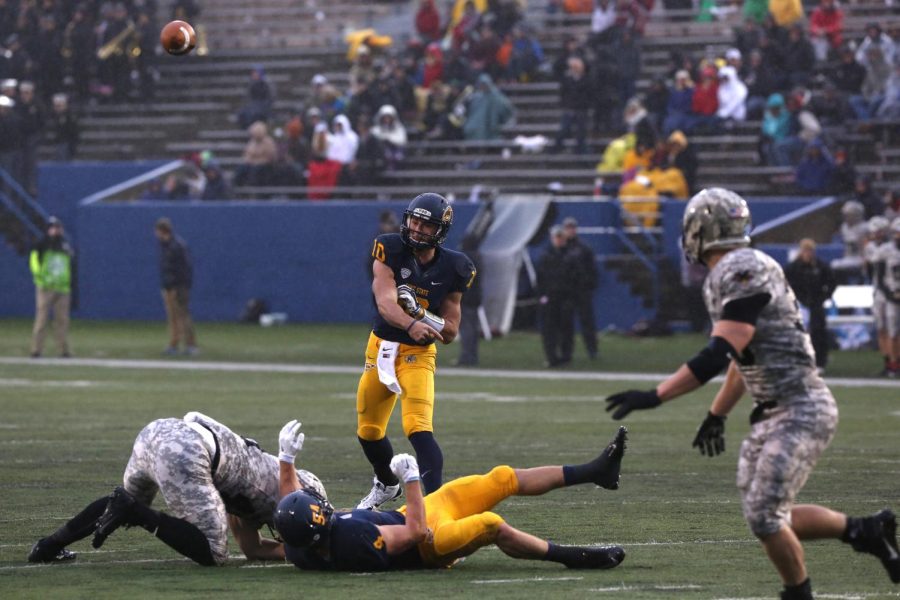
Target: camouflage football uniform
873, 253
202, 476
795, 413
889, 253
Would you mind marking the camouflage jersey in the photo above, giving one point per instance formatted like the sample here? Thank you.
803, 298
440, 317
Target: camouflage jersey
247, 477
779, 363
889, 253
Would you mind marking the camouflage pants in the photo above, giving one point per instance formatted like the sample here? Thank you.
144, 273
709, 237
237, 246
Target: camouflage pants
777, 458
171, 457
879, 312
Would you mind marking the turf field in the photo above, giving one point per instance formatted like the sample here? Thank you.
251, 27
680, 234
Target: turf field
66, 430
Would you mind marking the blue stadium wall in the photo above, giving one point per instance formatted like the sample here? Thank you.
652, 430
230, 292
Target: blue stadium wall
305, 259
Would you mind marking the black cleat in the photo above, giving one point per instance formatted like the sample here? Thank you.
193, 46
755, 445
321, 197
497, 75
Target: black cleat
117, 513
602, 557
877, 535
611, 461
885, 545
42, 553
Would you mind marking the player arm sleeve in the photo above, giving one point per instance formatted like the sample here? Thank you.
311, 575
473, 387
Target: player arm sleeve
710, 361
747, 309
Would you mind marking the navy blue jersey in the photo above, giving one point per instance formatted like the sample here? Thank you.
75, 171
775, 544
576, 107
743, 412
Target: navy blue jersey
354, 544
449, 271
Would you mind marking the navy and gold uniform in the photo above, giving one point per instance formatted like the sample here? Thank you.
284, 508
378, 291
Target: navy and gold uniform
458, 518
448, 272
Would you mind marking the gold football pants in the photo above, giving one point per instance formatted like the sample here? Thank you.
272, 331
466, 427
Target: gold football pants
375, 402
459, 518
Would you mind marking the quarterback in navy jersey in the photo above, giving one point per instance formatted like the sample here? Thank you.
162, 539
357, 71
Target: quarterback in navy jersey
417, 287
437, 530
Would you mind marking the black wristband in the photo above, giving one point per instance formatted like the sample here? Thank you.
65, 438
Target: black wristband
408, 327
710, 361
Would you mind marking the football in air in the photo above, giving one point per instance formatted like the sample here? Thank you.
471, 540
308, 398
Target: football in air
178, 37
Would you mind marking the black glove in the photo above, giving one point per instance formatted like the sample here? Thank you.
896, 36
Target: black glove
711, 436
625, 402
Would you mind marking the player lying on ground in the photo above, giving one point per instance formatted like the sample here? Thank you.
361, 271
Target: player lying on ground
759, 337
439, 529
210, 477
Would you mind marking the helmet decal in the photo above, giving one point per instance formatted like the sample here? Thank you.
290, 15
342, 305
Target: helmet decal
433, 209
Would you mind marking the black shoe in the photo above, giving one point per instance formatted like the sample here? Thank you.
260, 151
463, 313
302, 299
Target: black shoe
118, 512
43, 553
611, 459
884, 546
603, 557
877, 535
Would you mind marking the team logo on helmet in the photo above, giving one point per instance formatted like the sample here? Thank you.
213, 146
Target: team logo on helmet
433, 209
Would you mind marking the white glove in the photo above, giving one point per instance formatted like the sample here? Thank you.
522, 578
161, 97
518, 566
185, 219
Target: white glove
290, 441
406, 298
405, 467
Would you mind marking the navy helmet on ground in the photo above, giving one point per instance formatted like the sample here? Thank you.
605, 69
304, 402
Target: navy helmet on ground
303, 518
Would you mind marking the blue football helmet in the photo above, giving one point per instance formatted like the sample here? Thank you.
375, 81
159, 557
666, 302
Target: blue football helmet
432, 208
303, 518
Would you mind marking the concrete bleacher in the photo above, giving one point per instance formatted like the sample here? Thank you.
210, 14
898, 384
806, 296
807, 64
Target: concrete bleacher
198, 96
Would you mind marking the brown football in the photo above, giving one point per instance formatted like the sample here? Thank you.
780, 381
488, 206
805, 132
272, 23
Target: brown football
178, 37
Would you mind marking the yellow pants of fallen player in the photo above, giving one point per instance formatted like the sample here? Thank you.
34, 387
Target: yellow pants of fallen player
459, 515
375, 402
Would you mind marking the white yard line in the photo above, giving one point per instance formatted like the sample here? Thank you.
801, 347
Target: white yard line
242, 367
641, 588
105, 563
524, 580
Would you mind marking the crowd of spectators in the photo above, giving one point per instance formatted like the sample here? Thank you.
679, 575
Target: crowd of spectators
442, 85
88, 49
58, 55
803, 81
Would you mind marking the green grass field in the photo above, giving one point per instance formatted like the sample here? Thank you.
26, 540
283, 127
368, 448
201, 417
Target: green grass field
66, 432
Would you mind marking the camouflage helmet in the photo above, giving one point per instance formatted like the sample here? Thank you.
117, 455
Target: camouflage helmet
714, 218
878, 225
853, 208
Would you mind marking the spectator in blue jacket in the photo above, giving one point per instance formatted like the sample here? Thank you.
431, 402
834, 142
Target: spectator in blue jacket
814, 172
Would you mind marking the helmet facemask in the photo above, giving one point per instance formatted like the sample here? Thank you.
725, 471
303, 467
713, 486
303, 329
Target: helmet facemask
429, 208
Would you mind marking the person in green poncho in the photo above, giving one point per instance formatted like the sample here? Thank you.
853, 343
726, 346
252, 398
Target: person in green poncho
52, 263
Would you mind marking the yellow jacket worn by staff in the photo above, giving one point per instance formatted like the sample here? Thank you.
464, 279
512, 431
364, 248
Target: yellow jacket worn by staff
51, 267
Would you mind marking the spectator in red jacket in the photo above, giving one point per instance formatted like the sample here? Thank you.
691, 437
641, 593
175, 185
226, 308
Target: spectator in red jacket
432, 65
826, 28
705, 101
428, 21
